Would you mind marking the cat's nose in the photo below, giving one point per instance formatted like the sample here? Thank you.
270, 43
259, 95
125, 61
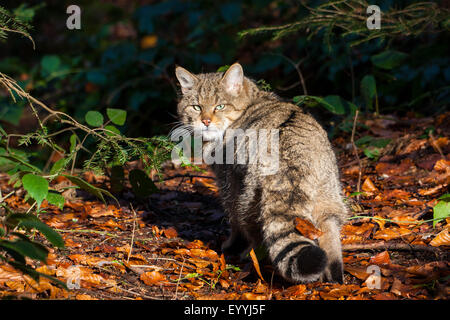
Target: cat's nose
206, 122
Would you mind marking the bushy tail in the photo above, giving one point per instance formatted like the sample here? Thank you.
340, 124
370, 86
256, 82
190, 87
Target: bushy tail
297, 258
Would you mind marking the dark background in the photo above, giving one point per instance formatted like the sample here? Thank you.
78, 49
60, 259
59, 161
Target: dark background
125, 54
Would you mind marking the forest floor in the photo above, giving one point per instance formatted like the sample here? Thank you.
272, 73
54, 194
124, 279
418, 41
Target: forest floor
168, 245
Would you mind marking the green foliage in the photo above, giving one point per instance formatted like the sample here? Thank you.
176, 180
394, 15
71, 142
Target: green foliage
117, 116
332, 103
388, 59
36, 186
15, 245
16, 22
349, 18
372, 146
369, 91
94, 118
441, 210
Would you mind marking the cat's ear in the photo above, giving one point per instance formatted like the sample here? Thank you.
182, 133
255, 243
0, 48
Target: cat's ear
233, 79
187, 80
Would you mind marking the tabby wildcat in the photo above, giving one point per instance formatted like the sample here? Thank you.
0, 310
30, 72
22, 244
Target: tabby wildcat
262, 208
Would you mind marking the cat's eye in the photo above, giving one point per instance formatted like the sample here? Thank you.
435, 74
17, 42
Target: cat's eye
220, 107
197, 108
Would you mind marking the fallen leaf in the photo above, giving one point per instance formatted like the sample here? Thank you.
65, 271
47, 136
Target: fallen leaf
442, 239
170, 233
396, 194
253, 296
358, 272
381, 258
256, 264
441, 165
431, 191
391, 233
152, 278
307, 229
368, 186
391, 169
84, 297
295, 290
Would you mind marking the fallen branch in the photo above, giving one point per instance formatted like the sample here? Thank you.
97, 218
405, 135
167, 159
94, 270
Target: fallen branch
389, 246
188, 176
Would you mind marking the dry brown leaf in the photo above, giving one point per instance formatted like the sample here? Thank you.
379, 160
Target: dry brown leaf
368, 186
391, 169
391, 233
170, 233
442, 239
8, 273
381, 258
295, 290
307, 229
431, 191
152, 278
358, 272
256, 264
253, 296
84, 297
442, 165
396, 194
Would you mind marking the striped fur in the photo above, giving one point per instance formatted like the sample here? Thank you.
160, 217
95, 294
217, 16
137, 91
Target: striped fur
262, 208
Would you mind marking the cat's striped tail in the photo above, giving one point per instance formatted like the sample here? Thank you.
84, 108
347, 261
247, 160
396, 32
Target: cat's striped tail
297, 258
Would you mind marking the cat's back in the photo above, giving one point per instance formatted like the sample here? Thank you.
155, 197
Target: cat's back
291, 120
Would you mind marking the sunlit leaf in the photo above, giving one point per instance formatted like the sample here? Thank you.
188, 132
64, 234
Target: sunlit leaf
94, 118
117, 116
36, 186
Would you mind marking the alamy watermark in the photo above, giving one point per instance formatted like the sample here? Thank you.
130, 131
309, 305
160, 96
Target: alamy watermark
241, 147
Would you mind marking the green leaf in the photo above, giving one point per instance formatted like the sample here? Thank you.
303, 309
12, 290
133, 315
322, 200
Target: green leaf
388, 59
372, 152
58, 166
30, 221
441, 211
73, 142
21, 161
50, 64
117, 116
114, 130
223, 68
142, 185
56, 199
26, 248
94, 118
332, 103
98, 192
36, 186
368, 90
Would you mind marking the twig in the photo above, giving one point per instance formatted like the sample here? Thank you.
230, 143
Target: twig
299, 72
188, 176
132, 235
355, 149
103, 233
179, 278
389, 246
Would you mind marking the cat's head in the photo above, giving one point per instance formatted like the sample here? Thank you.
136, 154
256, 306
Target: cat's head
211, 102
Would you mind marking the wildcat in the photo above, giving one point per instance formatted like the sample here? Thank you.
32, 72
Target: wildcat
262, 207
